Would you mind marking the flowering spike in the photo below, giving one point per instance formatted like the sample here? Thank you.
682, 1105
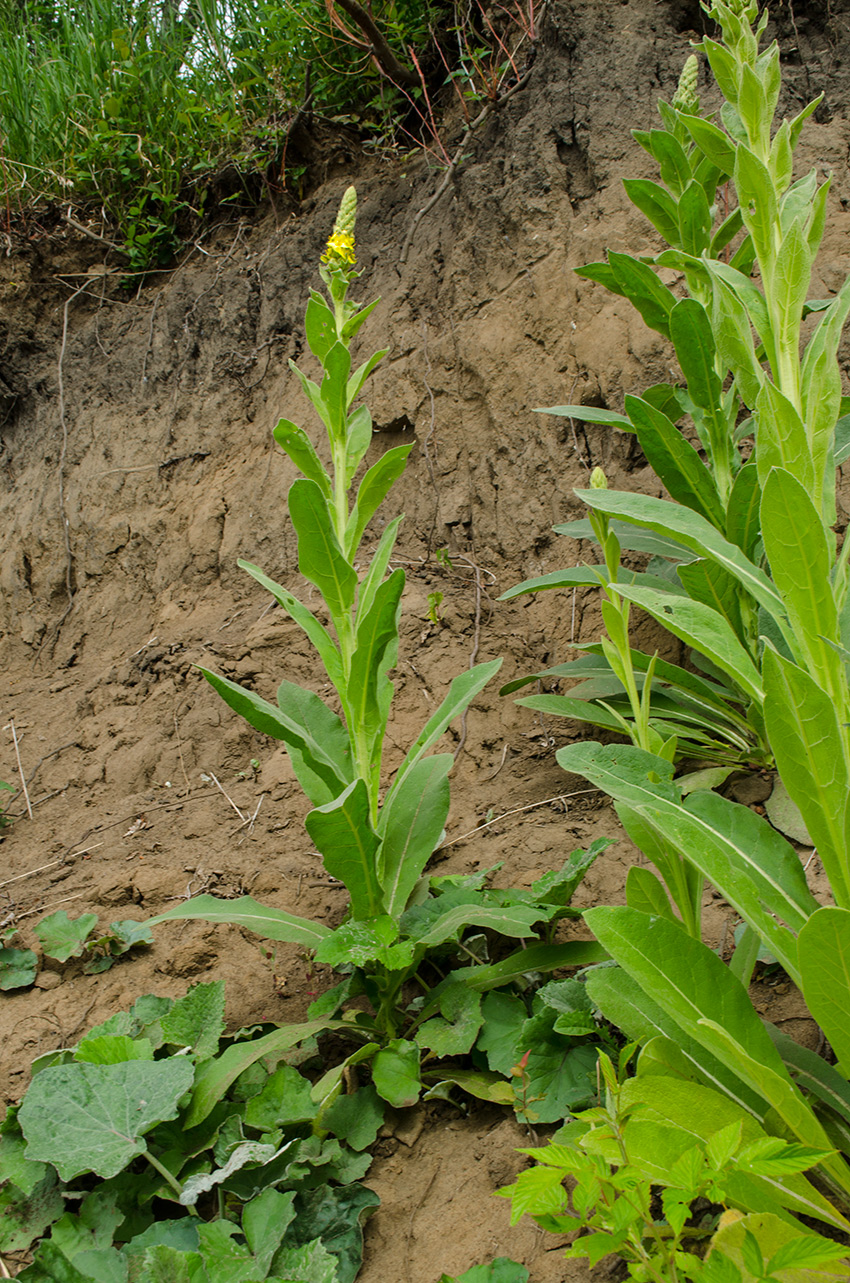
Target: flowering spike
686, 97
347, 216
340, 247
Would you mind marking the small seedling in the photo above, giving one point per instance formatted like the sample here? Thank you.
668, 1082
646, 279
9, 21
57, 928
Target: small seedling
435, 600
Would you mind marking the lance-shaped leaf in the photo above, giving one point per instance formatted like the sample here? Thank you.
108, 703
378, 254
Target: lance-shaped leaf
372, 491
361, 374
334, 389
343, 834
536, 957
319, 326
814, 1074
691, 531
445, 917
657, 205
752, 865
321, 725
670, 155
685, 476
732, 328
626, 1002
758, 201
312, 393
295, 442
304, 618
706, 582
743, 525
320, 558
589, 414
785, 1098
269, 720
781, 437
695, 218
92, 1118
358, 437
644, 291
810, 748
821, 393
797, 548
824, 945
628, 536
711, 140
374, 653
461, 693
701, 627
215, 1076
374, 576
244, 911
410, 826
688, 981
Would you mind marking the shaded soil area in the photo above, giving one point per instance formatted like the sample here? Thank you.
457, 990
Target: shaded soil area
137, 465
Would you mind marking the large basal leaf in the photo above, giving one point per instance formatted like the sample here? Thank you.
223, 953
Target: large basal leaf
92, 1118
809, 744
703, 628
244, 911
410, 827
824, 945
196, 1020
332, 1217
623, 1001
688, 981
343, 834
691, 531
674, 1115
320, 726
26, 1214
752, 865
269, 720
461, 693
320, 558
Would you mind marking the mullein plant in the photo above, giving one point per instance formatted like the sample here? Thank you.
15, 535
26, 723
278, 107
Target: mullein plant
404, 928
669, 990
717, 714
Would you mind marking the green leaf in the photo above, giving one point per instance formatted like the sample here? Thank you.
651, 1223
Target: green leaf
461, 693
644, 290
796, 546
781, 437
703, 628
709, 138
371, 493
589, 414
645, 892
271, 720
320, 557
306, 621
358, 433
657, 205
265, 1220
91, 1118
535, 957
504, 1016
322, 727
342, 831
560, 1075
295, 442
63, 937
410, 825
808, 741
364, 940
357, 1118
18, 968
395, 1073
454, 1030
320, 328
752, 865
113, 1049
669, 154
757, 199
214, 1077
249, 1152
824, 945
678, 465
731, 325
433, 924
704, 581
369, 690
334, 391
693, 338
25, 1215
283, 1101
501, 1270
335, 1216
196, 1020
695, 220
244, 911
743, 524
693, 532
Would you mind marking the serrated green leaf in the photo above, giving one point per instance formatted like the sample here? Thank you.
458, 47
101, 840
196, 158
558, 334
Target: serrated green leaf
197, 1020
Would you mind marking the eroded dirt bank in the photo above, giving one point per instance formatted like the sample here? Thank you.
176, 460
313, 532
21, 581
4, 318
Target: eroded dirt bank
139, 426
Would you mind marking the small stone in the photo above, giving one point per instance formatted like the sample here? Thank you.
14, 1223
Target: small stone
48, 980
750, 789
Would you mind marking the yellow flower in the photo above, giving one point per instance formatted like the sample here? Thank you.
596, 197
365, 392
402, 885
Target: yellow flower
340, 250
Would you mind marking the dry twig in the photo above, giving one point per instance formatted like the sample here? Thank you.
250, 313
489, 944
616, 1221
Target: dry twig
10, 726
517, 810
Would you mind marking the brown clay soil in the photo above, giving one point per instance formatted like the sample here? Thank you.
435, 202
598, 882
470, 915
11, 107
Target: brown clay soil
137, 465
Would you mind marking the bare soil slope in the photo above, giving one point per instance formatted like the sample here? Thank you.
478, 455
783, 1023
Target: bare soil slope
137, 464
